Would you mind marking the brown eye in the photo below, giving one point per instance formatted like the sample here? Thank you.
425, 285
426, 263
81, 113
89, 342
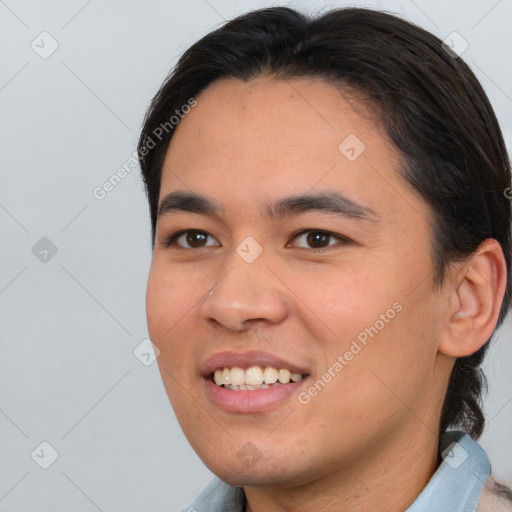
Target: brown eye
190, 239
196, 238
317, 239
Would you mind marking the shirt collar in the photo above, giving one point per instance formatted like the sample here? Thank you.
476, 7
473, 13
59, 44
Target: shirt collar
459, 481
456, 485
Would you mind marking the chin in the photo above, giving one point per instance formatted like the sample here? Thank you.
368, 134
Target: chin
263, 473
252, 466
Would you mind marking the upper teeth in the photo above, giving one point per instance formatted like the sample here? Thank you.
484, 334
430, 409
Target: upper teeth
254, 376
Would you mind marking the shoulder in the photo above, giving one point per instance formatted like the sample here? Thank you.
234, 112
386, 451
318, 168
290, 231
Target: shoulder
495, 497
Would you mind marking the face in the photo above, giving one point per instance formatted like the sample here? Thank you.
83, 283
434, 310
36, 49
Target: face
289, 248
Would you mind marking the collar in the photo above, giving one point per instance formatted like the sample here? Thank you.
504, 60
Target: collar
459, 481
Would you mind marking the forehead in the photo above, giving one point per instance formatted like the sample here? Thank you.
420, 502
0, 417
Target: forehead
265, 117
250, 140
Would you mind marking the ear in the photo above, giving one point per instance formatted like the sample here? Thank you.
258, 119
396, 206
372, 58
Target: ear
478, 287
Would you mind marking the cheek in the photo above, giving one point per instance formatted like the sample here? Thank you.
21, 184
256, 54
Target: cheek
343, 301
168, 302
376, 328
393, 369
169, 299
159, 304
170, 295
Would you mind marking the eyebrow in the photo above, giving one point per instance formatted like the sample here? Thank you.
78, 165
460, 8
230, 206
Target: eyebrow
331, 202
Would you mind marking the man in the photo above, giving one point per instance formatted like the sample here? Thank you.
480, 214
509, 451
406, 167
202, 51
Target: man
331, 258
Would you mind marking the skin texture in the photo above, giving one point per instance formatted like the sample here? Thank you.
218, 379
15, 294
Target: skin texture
367, 440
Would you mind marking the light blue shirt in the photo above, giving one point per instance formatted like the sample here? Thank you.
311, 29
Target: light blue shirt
456, 486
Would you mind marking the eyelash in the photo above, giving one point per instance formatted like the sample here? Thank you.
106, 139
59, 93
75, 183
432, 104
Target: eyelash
171, 240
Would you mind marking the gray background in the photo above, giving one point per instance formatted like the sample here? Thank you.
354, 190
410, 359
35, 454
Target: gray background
71, 320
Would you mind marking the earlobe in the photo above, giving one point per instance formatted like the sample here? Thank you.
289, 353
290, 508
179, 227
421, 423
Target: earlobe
476, 299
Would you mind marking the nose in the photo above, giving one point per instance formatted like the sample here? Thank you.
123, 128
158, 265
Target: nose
247, 294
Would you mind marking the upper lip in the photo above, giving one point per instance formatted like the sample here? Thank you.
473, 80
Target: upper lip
247, 359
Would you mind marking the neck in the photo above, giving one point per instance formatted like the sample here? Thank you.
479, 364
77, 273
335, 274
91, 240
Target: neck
389, 481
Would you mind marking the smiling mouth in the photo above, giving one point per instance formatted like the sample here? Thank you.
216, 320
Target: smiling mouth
254, 377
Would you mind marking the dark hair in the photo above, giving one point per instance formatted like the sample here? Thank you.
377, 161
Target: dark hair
429, 103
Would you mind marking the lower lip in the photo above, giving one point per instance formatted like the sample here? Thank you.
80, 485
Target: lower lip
257, 400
